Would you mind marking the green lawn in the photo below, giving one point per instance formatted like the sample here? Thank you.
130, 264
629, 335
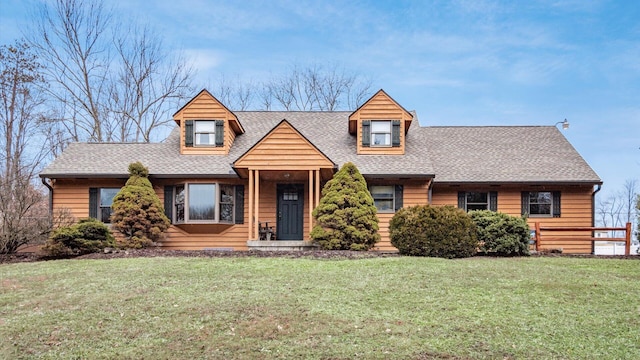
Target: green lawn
396, 307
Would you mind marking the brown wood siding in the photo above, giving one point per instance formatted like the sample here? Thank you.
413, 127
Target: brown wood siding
73, 195
575, 211
413, 193
283, 149
206, 107
381, 107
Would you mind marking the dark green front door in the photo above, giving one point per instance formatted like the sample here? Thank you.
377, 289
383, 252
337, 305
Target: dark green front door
290, 212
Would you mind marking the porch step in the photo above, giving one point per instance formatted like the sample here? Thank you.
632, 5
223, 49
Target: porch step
280, 245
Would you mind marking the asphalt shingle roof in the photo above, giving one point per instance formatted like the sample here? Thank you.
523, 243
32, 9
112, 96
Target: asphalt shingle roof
453, 154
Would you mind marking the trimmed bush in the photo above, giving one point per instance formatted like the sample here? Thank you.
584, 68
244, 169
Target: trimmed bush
435, 231
87, 236
500, 234
137, 211
346, 216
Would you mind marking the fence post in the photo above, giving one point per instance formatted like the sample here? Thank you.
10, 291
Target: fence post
537, 236
627, 240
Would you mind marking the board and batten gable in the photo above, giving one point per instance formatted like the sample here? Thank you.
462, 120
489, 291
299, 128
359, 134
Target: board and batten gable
205, 106
380, 107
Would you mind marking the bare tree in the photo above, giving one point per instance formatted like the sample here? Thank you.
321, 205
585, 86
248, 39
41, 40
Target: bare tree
619, 208
115, 82
23, 211
70, 38
148, 84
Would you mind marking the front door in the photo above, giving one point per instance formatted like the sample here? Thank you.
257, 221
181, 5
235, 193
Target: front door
290, 212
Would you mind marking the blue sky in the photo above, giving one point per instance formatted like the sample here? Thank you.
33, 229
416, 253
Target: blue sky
454, 62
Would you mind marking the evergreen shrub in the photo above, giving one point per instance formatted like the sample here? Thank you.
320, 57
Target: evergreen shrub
137, 212
500, 234
87, 236
346, 216
435, 231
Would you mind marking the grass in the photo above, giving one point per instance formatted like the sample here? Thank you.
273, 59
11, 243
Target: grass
245, 308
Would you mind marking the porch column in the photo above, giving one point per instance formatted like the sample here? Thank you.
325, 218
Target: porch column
311, 187
251, 219
317, 187
256, 178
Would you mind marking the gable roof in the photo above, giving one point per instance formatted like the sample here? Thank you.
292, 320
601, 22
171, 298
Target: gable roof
474, 154
325, 130
505, 154
234, 121
380, 95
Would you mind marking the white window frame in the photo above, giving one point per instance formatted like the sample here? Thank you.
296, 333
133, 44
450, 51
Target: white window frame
211, 133
183, 200
550, 213
388, 134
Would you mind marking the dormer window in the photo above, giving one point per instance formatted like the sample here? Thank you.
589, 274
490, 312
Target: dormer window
204, 133
381, 133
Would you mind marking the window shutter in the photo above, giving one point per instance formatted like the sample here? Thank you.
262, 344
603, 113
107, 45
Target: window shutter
239, 216
493, 201
168, 202
395, 133
188, 133
219, 132
366, 133
525, 203
556, 204
398, 197
462, 200
93, 203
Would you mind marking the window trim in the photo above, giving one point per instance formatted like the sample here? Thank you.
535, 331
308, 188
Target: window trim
95, 202
218, 203
196, 133
393, 199
397, 192
555, 206
373, 133
492, 200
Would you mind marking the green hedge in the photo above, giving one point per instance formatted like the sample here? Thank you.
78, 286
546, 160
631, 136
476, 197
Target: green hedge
500, 234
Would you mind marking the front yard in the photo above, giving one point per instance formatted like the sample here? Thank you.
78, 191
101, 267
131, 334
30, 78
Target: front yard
395, 307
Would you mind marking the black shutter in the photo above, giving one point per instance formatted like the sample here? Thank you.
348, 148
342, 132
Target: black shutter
93, 203
395, 133
239, 216
188, 133
462, 200
219, 132
556, 204
525, 203
493, 201
398, 197
168, 202
366, 133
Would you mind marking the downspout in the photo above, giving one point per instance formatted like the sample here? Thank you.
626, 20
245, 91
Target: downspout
593, 216
44, 181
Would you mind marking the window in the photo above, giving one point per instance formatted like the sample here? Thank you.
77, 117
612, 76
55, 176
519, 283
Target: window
205, 203
381, 133
387, 198
541, 203
202, 202
100, 200
205, 133
478, 200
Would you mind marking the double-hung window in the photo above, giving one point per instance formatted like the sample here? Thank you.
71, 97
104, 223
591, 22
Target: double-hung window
100, 201
205, 203
381, 133
541, 203
387, 198
205, 133
478, 200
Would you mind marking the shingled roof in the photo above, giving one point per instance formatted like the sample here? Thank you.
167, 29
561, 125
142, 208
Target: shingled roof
453, 154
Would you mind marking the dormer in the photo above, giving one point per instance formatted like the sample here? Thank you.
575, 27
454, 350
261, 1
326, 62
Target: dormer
207, 127
380, 126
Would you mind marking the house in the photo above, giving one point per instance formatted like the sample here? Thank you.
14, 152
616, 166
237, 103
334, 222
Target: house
227, 178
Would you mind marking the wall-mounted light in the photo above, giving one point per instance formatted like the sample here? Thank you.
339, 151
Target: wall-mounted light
286, 175
565, 124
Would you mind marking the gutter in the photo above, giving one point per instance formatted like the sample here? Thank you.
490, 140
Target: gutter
44, 181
